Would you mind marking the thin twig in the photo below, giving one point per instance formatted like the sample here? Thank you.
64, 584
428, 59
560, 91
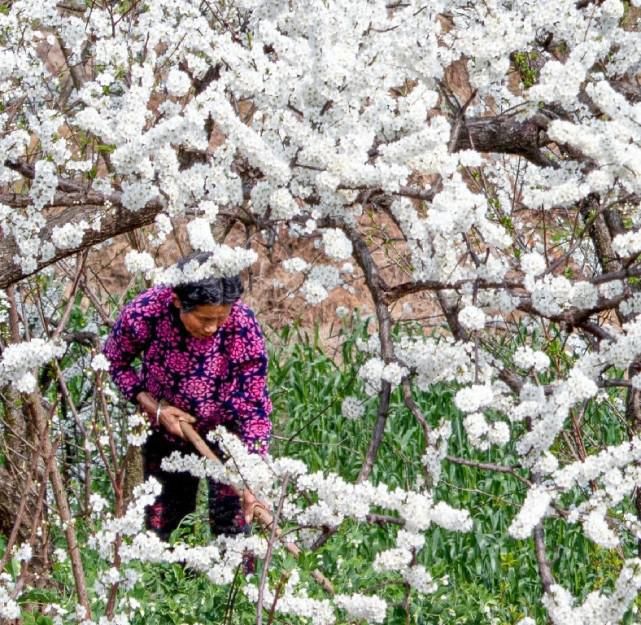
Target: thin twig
270, 549
487, 466
62, 324
40, 420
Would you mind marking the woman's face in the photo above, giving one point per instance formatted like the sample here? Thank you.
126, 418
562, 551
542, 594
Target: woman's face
203, 320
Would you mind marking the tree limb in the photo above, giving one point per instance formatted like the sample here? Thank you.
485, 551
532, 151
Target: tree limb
114, 220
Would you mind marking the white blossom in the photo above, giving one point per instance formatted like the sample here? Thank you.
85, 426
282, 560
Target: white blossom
498, 433
477, 429
60, 555
313, 292
419, 579
352, 408
224, 261
534, 508
9, 608
325, 275
19, 361
371, 373
294, 265
371, 609
627, 244
138, 429
533, 263
70, 235
597, 529
472, 318
178, 83
393, 373
392, 559
200, 235
336, 245
23, 553
527, 358
471, 398
140, 262
99, 363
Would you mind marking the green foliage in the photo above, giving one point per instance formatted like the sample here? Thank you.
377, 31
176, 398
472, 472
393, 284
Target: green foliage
105, 148
491, 577
524, 62
483, 575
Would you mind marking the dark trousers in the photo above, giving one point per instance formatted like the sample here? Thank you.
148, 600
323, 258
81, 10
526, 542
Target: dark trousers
178, 495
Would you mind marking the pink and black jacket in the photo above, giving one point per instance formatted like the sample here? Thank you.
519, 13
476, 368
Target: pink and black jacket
219, 380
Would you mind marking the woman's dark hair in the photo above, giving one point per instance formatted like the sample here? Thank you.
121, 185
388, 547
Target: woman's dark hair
208, 291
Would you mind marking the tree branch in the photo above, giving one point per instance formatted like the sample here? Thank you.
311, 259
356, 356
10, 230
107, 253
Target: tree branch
376, 286
486, 466
114, 220
505, 135
545, 571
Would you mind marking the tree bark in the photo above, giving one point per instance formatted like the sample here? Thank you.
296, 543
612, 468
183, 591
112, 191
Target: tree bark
115, 220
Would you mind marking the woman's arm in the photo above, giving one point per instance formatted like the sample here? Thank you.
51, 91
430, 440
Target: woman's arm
251, 405
129, 337
249, 400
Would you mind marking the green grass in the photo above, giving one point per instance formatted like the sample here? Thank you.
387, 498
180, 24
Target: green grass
491, 578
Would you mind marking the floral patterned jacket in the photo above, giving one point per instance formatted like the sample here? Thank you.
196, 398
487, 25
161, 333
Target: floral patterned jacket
219, 379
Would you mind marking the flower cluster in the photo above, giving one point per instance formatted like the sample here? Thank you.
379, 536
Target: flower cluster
527, 358
70, 235
472, 318
224, 261
178, 83
352, 408
294, 265
358, 606
318, 612
482, 434
435, 360
20, 361
200, 235
627, 244
9, 608
471, 398
137, 429
99, 363
336, 245
372, 373
313, 292
140, 262
535, 506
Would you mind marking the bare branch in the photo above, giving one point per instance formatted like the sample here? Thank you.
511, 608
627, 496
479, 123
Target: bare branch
270, 547
376, 286
505, 135
545, 570
488, 466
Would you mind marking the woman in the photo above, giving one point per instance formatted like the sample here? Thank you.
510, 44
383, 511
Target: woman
203, 360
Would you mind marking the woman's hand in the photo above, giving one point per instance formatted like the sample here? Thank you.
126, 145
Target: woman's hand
249, 503
170, 418
167, 415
